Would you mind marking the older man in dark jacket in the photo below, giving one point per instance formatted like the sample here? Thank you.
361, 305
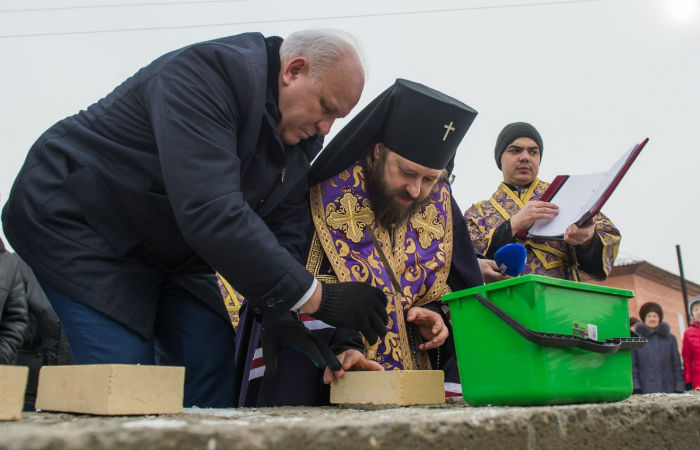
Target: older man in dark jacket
196, 163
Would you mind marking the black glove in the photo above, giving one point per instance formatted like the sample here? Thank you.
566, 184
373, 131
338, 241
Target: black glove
287, 331
355, 305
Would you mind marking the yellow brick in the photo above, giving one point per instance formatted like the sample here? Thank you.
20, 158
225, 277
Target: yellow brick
111, 389
394, 387
13, 383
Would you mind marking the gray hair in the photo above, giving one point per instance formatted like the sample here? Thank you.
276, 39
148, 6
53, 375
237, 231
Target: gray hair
321, 47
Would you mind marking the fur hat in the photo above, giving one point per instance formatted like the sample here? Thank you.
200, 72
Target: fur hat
691, 302
651, 307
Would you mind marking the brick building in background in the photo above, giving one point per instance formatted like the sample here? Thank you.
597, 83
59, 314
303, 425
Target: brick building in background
652, 284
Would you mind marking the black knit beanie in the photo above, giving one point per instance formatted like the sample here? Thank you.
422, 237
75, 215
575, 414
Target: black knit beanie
649, 307
511, 132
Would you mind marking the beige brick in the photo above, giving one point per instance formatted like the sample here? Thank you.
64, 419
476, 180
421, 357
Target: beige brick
13, 383
111, 389
393, 387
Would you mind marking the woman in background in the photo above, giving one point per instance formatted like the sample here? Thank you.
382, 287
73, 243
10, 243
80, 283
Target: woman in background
656, 367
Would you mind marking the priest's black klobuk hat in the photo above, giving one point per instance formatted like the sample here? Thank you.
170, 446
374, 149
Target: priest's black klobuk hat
413, 120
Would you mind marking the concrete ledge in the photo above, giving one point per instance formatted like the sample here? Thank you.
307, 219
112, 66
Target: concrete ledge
658, 421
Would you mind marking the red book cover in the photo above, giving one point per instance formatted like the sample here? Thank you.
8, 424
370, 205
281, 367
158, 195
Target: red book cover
547, 196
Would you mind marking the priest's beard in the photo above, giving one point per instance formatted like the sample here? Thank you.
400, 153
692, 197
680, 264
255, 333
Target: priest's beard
387, 211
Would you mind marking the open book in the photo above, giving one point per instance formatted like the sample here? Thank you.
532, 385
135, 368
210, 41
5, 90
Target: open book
580, 197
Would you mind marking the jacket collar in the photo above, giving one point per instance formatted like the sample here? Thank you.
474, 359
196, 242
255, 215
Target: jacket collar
518, 189
662, 330
272, 45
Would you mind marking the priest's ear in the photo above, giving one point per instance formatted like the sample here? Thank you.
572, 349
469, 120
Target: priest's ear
378, 151
293, 68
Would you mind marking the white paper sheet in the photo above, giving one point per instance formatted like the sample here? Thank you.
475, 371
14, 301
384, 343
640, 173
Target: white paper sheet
576, 197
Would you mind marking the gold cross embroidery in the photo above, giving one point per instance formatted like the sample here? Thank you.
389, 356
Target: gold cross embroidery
449, 128
351, 218
428, 226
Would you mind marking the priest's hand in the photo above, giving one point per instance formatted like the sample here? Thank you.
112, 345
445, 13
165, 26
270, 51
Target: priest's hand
354, 305
287, 331
430, 326
350, 360
582, 236
532, 211
489, 271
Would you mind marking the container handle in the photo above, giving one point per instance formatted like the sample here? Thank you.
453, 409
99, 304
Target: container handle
564, 340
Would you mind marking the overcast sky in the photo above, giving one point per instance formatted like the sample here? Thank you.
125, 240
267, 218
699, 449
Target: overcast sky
593, 76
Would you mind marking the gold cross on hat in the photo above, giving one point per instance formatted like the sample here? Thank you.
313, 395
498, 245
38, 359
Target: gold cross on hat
449, 128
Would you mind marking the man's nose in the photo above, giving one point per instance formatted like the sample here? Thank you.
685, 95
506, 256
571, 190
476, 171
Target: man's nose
324, 126
413, 189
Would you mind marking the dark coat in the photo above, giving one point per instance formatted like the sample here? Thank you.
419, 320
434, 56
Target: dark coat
45, 342
656, 367
179, 170
14, 318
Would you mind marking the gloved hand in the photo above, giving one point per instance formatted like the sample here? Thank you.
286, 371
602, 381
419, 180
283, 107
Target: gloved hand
355, 305
287, 331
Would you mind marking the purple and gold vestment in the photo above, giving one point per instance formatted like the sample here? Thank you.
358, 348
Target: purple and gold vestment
549, 257
419, 254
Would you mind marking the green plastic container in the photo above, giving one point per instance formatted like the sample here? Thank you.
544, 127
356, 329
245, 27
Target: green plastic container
498, 366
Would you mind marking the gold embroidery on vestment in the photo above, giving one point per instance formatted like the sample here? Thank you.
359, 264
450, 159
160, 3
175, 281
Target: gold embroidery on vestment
232, 300
351, 218
428, 226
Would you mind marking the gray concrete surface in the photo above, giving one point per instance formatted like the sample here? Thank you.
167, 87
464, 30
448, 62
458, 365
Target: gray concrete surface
657, 421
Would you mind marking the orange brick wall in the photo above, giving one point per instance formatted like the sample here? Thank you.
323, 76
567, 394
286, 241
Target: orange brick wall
645, 290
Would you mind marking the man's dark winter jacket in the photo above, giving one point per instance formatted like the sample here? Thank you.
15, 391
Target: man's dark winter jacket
176, 173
